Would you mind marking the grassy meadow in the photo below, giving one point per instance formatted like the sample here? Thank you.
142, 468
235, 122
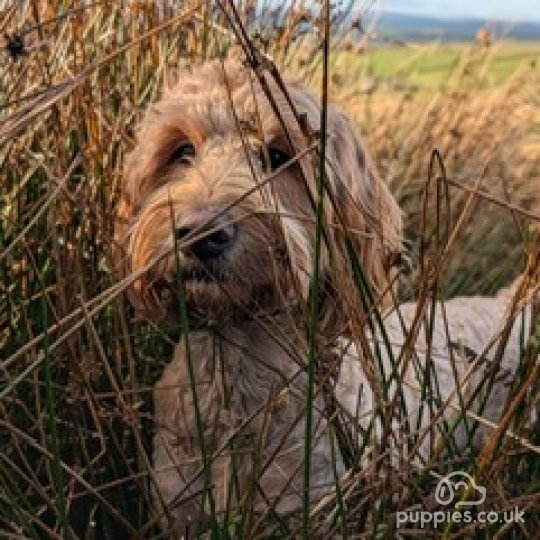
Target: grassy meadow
77, 367
479, 107
432, 66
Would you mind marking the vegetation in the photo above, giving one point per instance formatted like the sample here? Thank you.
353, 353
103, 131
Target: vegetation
77, 368
483, 127
430, 66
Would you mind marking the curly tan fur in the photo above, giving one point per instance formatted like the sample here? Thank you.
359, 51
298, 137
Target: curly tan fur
208, 106
249, 358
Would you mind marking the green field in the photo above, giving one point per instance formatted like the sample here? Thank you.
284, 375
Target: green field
432, 65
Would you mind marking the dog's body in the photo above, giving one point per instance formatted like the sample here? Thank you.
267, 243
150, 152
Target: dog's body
254, 389
241, 209
253, 400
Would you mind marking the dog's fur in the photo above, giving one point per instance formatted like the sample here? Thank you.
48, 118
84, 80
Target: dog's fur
249, 357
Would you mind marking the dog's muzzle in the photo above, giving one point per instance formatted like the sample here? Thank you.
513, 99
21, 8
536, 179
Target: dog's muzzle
211, 242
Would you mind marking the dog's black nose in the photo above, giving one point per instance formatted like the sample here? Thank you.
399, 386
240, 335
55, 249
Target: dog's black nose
211, 245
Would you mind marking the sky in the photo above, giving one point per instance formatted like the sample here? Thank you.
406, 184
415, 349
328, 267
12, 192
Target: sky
523, 10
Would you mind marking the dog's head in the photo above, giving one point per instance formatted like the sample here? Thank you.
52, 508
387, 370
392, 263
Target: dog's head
221, 188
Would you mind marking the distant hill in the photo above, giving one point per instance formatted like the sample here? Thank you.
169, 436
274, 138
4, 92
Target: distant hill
415, 28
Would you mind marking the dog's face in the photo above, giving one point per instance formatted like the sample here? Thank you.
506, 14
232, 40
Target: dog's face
221, 189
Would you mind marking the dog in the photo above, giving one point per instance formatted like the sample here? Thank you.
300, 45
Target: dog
217, 220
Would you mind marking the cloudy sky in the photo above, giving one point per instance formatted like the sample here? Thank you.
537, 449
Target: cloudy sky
489, 9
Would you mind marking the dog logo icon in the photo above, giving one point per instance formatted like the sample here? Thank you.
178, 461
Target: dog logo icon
448, 487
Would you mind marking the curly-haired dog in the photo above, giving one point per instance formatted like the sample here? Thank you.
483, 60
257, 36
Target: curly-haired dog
218, 199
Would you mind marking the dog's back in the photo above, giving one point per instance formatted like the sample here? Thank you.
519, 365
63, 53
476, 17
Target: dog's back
459, 373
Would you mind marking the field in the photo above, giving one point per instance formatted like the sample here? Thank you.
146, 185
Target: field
477, 106
453, 130
431, 66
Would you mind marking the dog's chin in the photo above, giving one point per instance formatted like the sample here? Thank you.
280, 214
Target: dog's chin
211, 302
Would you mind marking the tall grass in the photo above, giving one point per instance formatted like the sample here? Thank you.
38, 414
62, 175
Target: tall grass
482, 130
77, 368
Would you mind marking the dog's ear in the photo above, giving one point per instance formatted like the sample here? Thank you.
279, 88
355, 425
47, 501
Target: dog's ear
364, 218
122, 225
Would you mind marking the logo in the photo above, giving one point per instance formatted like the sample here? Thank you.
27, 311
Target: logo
448, 489
449, 492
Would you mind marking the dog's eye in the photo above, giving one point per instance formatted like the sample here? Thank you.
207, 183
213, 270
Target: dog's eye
277, 158
183, 154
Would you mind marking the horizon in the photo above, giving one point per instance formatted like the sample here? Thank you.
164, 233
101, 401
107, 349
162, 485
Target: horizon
516, 11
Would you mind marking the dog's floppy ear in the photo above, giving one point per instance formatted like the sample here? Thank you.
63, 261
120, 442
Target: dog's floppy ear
129, 255
364, 216
123, 263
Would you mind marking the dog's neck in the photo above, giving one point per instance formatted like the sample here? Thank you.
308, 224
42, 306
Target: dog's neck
264, 355
242, 371
251, 393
